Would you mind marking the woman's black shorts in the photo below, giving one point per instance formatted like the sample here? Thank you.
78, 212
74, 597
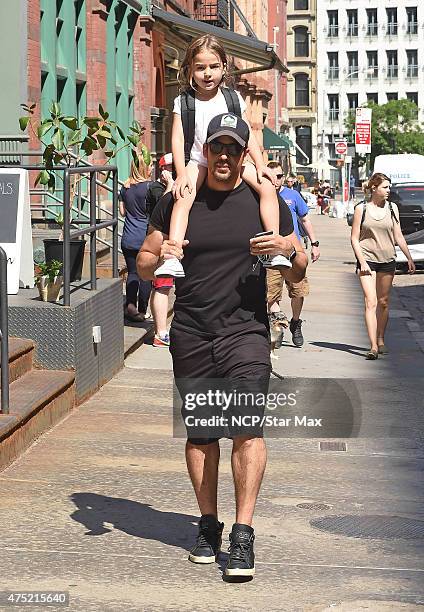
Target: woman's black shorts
386, 267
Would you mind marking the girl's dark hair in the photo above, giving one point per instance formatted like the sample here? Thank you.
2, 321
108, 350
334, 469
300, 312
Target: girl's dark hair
209, 42
374, 181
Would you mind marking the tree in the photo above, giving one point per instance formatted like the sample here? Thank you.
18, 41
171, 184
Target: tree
394, 129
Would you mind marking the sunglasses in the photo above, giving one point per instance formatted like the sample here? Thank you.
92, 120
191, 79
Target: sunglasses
279, 176
233, 149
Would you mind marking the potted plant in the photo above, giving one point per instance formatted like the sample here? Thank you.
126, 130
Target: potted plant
66, 140
49, 280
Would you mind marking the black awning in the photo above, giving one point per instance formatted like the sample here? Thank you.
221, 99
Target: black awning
243, 47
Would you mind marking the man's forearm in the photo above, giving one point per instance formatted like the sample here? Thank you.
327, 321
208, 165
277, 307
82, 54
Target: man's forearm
298, 270
146, 265
309, 229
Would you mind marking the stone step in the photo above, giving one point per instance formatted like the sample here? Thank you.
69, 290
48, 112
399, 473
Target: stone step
104, 266
21, 353
38, 400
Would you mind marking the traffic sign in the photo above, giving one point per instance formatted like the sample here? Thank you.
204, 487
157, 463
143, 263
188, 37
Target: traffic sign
341, 147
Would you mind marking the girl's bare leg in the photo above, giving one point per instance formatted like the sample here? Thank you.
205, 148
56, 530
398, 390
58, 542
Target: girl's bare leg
172, 267
384, 283
182, 206
268, 202
368, 283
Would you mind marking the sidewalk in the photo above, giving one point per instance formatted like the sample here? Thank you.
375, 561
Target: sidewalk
102, 507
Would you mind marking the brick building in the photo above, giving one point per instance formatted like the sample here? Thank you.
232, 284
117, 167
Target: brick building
123, 54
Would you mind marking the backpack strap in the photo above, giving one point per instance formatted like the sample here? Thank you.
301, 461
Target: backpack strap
232, 100
188, 119
392, 212
364, 204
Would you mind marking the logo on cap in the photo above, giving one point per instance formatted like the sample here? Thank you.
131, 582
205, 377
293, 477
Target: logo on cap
229, 121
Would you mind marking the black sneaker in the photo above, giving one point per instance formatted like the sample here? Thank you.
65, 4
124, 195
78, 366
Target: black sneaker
241, 561
296, 331
208, 543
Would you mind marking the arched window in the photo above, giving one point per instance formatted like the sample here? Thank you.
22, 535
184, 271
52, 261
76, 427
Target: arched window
301, 90
301, 42
301, 5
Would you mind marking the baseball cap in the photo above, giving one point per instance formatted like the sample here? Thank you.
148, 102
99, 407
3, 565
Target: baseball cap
165, 160
228, 124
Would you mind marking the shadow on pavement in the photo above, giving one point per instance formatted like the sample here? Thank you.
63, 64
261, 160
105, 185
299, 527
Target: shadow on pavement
133, 518
346, 348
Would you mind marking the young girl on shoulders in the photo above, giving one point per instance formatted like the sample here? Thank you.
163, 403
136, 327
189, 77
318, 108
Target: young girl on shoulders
204, 74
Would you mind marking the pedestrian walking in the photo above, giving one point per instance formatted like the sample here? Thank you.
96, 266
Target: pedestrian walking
161, 287
220, 326
132, 206
203, 77
375, 232
352, 187
298, 290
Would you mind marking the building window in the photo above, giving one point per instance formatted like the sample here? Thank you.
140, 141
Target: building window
63, 57
392, 95
352, 62
333, 24
333, 65
412, 60
412, 96
372, 22
392, 64
392, 26
120, 29
372, 97
301, 42
301, 5
411, 14
304, 142
301, 90
352, 99
352, 22
372, 58
333, 107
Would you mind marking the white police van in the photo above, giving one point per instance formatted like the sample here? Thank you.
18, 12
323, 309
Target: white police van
407, 175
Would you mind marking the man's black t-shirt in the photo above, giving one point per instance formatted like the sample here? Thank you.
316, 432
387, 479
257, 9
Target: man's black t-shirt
224, 287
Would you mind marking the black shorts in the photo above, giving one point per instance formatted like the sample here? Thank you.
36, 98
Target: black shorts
387, 267
242, 356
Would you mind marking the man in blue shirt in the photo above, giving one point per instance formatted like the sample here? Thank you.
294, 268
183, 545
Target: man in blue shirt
298, 291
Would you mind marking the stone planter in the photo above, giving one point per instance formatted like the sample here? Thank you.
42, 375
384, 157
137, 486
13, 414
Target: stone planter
48, 290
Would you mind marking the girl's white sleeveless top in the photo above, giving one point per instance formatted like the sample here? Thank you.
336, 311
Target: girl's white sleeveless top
205, 111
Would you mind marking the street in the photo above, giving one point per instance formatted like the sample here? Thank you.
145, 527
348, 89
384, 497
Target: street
101, 506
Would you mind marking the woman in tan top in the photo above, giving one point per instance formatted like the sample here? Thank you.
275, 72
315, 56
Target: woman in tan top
374, 236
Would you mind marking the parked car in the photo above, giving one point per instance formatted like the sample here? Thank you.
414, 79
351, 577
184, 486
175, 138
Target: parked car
415, 244
409, 198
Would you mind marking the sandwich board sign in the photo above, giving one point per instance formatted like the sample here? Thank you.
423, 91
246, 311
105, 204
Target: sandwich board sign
15, 228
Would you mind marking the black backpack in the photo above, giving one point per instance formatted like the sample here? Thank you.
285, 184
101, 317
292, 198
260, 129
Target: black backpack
188, 115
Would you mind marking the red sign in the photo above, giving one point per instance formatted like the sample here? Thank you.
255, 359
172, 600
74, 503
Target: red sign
363, 130
341, 147
363, 134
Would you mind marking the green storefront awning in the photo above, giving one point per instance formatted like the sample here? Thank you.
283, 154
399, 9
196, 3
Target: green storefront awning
275, 142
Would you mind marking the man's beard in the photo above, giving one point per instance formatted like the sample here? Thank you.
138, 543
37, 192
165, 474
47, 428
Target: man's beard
221, 177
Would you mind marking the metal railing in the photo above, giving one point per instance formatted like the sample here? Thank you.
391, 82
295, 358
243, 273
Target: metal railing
4, 329
94, 226
81, 197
